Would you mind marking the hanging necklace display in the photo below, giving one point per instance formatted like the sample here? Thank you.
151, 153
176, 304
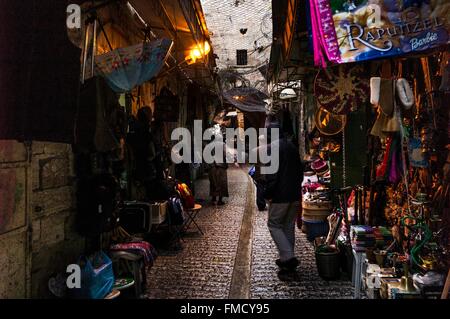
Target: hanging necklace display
342, 89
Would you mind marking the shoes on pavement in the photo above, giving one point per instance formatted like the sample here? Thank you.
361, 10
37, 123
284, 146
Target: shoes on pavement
289, 264
288, 275
220, 203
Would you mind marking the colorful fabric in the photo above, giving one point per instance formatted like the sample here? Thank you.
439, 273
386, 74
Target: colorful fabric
325, 42
186, 195
142, 248
342, 89
362, 236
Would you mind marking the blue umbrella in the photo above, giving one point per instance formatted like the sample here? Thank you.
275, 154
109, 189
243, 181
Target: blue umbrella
126, 68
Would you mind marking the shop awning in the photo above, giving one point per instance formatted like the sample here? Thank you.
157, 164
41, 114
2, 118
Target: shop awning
246, 99
126, 68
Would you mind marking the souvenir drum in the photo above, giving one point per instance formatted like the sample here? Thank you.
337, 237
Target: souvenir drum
315, 211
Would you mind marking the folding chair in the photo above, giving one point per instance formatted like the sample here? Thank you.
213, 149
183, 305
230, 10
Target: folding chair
191, 215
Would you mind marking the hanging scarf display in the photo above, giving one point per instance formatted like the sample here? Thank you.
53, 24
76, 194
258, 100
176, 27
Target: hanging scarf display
325, 42
391, 168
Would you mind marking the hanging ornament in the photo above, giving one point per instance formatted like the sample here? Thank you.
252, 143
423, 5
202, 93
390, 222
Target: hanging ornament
329, 123
342, 89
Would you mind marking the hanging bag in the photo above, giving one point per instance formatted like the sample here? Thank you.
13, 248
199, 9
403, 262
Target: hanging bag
97, 277
186, 196
404, 93
176, 211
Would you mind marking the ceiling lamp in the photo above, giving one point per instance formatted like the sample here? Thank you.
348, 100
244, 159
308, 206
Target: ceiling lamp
206, 48
198, 52
287, 94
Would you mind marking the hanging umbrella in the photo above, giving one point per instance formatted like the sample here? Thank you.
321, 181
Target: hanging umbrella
126, 68
246, 99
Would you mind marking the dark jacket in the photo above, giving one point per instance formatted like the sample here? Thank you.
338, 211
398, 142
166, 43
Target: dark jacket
285, 185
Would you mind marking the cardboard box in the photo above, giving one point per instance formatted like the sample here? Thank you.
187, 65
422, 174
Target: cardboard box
158, 212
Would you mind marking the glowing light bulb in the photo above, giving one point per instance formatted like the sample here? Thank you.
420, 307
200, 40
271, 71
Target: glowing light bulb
207, 48
196, 53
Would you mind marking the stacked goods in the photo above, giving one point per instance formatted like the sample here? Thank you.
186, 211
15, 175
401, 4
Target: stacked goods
316, 210
314, 218
362, 237
320, 167
383, 236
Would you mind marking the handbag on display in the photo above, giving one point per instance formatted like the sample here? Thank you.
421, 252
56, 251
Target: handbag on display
97, 277
175, 211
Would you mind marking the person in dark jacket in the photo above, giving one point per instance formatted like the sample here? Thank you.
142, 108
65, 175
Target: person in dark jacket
283, 191
258, 180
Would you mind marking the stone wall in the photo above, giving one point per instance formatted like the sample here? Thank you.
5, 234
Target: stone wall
37, 210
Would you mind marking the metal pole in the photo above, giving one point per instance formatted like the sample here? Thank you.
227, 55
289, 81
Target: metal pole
85, 47
94, 46
344, 161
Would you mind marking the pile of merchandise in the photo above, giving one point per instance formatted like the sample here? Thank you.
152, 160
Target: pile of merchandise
383, 236
362, 237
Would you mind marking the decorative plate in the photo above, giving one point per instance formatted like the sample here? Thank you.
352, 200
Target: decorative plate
329, 123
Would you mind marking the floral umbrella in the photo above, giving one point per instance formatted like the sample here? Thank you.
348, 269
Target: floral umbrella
342, 89
126, 68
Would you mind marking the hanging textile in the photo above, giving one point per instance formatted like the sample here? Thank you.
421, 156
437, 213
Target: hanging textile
342, 89
246, 99
349, 31
325, 44
126, 68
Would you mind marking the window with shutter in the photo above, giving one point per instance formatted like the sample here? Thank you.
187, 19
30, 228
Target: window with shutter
241, 57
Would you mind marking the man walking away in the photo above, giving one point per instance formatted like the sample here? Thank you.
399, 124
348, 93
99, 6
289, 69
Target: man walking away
282, 190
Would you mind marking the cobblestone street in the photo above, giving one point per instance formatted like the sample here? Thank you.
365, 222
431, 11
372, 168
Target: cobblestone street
207, 267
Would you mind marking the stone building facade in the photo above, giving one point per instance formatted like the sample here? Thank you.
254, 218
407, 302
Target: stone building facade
37, 224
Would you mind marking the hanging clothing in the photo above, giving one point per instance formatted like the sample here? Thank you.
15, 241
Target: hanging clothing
98, 103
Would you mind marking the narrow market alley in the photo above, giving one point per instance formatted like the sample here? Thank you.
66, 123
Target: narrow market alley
223, 151
210, 265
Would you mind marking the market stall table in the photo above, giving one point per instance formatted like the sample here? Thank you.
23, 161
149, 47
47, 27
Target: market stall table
360, 256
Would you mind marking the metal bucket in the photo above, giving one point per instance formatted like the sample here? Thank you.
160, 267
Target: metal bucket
328, 265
